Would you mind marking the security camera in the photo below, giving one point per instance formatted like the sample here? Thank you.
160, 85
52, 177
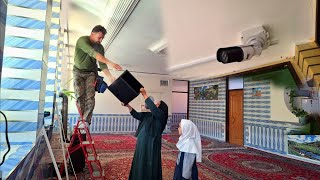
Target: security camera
254, 40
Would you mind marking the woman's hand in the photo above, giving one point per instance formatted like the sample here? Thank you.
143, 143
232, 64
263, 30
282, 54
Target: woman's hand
127, 105
143, 93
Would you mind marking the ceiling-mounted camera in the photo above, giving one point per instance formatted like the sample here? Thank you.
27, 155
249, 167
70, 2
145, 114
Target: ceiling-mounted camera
254, 40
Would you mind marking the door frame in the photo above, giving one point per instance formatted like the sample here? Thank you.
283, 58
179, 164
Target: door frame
228, 109
187, 92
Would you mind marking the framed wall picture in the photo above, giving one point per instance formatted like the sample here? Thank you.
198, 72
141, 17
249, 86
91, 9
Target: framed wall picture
305, 146
256, 92
206, 92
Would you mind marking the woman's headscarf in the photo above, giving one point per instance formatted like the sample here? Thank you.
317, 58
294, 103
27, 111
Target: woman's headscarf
164, 108
151, 129
190, 140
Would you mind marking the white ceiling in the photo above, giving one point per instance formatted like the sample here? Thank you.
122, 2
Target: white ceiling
142, 30
194, 30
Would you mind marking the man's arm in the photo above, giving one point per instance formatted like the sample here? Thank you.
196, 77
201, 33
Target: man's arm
110, 78
85, 46
111, 64
105, 69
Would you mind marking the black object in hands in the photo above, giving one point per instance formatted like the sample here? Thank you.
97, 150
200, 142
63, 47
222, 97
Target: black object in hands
125, 87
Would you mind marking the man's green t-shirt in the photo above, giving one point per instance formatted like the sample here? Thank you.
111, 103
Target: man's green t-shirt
85, 55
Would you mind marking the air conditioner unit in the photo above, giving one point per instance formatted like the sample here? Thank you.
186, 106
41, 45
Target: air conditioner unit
164, 82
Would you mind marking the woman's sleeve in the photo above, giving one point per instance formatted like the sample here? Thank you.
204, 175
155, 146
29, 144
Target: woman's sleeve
154, 110
137, 115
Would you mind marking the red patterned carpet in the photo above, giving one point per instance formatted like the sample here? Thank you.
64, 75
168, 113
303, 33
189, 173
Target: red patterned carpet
115, 142
116, 157
220, 160
253, 164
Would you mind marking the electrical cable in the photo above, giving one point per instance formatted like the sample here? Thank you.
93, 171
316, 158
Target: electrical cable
7, 138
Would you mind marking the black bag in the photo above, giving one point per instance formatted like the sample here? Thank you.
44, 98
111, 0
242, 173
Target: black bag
77, 157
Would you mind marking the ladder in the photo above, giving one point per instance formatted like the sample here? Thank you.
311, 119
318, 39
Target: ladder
86, 143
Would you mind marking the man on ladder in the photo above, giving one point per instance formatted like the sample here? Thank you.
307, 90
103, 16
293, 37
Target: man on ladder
88, 51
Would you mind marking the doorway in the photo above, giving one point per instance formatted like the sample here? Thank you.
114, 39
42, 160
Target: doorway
235, 117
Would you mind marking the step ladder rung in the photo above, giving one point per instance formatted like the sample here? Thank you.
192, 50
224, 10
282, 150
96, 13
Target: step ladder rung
82, 131
96, 170
96, 174
89, 150
87, 142
91, 157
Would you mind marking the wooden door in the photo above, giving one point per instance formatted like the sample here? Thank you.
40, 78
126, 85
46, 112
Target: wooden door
235, 123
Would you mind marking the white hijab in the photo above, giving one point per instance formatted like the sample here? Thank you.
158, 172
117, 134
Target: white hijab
190, 140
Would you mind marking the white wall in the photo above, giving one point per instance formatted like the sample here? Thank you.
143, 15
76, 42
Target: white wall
279, 110
179, 102
107, 103
181, 86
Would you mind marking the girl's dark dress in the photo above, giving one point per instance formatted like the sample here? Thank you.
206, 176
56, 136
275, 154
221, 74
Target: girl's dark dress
179, 167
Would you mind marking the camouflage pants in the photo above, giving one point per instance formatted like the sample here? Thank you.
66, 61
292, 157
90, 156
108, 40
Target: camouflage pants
83, 83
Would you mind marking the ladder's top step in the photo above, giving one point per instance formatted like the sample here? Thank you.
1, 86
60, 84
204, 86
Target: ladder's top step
82, 127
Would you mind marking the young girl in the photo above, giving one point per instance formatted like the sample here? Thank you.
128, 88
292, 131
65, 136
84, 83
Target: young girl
189, 145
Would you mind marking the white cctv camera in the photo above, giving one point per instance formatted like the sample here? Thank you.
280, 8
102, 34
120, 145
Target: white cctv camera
254, 40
